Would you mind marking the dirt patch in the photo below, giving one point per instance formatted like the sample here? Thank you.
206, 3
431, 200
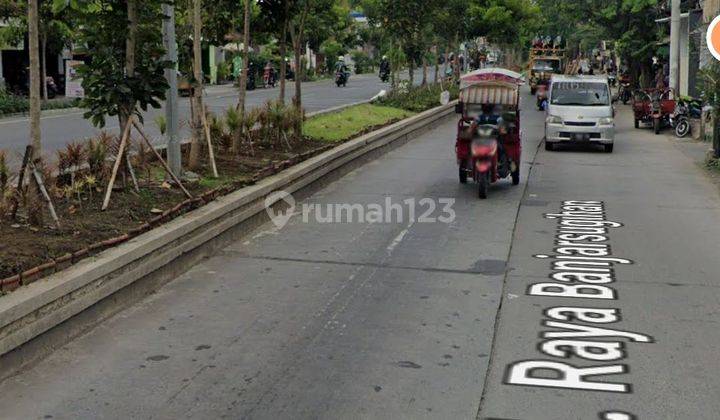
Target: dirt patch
85, 230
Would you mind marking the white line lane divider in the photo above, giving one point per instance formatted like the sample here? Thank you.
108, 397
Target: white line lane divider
582, 267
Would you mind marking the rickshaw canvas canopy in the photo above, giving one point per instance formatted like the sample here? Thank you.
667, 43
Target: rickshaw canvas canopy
491, 86
491, 75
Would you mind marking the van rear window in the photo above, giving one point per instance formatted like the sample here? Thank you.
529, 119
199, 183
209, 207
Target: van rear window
580, 94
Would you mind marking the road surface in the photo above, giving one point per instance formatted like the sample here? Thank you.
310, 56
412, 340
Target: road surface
438, 320
60, 129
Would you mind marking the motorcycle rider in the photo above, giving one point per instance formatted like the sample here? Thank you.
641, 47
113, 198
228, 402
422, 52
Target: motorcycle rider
341, 67
384, 65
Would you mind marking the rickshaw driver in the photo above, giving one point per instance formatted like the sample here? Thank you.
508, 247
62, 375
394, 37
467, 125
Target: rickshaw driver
488, 116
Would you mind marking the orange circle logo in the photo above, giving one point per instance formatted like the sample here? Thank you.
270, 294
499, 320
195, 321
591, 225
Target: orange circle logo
713, 38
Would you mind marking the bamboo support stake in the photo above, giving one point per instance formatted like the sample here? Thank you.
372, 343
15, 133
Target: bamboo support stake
130, 169
162, 161
21, 179
211, 152
44, 193
118, 161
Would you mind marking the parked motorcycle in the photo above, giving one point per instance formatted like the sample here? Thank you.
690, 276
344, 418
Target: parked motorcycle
341, 78
684, 111
541, 97
612, 79
269, 77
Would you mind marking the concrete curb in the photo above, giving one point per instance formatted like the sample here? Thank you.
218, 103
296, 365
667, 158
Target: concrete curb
44, 113
28, 314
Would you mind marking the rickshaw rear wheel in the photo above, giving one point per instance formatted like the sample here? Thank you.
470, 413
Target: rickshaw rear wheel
637, 123
462, 174
516, 177
656, 125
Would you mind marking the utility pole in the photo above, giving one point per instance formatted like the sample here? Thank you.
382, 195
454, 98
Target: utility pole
675, 46
171, 105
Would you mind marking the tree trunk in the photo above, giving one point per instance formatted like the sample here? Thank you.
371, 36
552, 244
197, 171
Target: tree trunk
127, 107
283, 51
33, 35
237, 136
437, 65
297, 40
411, 71
43, 56
425, 71
445, 64
197, 105
34, 204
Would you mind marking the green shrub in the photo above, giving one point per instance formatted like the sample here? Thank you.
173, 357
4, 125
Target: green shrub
363, 62
13, 104
417, 98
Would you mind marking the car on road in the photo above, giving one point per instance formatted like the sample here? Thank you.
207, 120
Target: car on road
580, 110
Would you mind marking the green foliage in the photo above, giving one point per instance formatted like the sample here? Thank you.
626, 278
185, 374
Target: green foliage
13, 104
161, 123
710, 86
350, 122
417, 98
332, 49
363, 62
109, 91
507, 22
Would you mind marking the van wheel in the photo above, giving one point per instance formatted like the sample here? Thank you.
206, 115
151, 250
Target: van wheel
608, 148
656, 125
549, 146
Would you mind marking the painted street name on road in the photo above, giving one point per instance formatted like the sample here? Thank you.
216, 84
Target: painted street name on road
582, 268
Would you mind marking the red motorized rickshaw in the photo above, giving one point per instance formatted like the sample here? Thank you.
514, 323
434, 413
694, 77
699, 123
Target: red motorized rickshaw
488, 139
653, 106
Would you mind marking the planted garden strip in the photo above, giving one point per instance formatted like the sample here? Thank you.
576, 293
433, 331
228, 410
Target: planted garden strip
188, 204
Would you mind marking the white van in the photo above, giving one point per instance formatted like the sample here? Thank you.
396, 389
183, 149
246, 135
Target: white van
580, 110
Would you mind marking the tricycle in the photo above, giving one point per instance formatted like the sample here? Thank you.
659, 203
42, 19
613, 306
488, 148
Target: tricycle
653, 106
488, 145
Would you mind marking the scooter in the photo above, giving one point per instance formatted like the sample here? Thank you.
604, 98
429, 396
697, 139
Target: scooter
684, 111
542, 97
489, 162
384, 75
269, 78
341, 78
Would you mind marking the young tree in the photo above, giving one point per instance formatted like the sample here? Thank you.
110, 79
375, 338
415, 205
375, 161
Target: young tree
197, 98
244, 73
276, 15
126, 73
33, 19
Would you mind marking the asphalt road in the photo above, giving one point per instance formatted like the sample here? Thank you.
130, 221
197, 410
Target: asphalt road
430, 320
60, 129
